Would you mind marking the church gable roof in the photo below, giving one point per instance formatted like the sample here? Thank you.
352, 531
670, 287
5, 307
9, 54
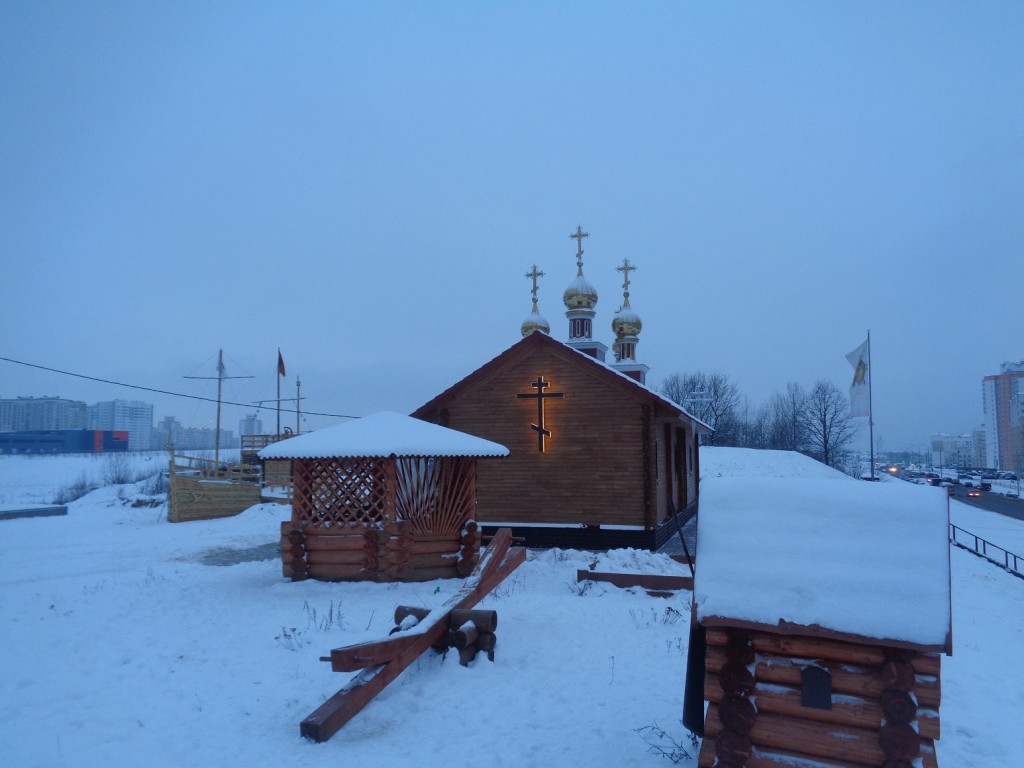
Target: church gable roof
536, 341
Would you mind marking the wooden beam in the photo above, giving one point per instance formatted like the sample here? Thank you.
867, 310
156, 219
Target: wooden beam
497, 562
655, 581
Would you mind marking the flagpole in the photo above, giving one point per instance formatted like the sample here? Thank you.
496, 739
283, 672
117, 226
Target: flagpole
278, 377
871, 418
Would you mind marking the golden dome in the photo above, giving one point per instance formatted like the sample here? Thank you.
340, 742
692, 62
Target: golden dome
626, 322
535, 322
580, 294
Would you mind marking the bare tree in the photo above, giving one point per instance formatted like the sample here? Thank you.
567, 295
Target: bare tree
826, 418
712, 398
787, 429
756, 426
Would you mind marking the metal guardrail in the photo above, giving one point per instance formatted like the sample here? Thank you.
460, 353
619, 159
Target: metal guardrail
992, 552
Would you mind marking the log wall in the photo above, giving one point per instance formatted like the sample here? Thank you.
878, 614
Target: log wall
391, 552
884, 703
601, 463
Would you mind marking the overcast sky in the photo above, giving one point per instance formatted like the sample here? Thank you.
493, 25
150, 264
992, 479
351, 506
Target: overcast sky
364, 185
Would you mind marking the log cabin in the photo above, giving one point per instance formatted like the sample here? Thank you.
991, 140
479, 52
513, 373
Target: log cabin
821, 613
597, 459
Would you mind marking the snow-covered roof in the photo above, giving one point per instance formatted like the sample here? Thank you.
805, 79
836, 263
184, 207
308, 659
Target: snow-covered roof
784, 539
381, 435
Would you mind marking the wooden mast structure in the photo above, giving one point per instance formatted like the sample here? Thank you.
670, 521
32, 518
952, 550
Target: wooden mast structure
220, 382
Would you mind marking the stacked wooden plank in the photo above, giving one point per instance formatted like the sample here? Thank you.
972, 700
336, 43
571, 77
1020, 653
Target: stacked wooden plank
391, 551
200, 489
866, 705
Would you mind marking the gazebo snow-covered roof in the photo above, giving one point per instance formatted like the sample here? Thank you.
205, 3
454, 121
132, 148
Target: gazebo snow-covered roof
386, 497
381, 435
796, 543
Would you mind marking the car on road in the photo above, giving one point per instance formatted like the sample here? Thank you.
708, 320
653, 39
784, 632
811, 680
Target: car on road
973, 493
984, 486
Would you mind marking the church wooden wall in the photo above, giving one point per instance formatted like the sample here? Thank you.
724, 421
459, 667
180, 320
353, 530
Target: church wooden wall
592, 471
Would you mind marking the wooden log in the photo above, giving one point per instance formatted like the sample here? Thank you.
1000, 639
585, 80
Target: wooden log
293, 550
404, 611
865, 681
497, 563
467, 655
483, 620
463, 637
470, 527
335, 543
844, 744
465, 567
733, 747
655, 581
899, 742
295, 537
764, 757
706, 756
928, 692
449, 547
849, 710
735, 680
814, 648
430, 574
737, 715
898, 676
898, 706
337, 556
715, 658
928, 758
739, 649
434, 560
486, 641
337, 572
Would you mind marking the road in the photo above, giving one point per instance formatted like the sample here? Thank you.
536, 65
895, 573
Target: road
991, 501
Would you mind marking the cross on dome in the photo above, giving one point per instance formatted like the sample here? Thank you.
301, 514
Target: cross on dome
625, 269
534, 274
578, 236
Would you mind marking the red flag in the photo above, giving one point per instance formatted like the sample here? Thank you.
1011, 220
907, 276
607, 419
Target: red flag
280, 364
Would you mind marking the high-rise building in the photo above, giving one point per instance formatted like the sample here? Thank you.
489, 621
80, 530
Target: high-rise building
250, 425
1003, 403
953, 451
34, 414
133, 416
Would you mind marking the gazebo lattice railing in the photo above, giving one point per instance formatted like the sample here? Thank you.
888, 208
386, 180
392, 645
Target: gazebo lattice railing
384, 519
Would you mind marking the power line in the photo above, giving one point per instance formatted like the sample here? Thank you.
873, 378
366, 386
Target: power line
163, 391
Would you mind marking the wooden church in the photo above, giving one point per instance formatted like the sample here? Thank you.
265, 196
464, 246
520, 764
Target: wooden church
597, 459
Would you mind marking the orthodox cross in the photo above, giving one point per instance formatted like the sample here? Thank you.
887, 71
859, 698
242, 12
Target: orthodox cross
578, 236
534, 274
540, 395
625, 269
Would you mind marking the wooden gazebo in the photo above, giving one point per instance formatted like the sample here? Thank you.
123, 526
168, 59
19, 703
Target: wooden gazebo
383, 498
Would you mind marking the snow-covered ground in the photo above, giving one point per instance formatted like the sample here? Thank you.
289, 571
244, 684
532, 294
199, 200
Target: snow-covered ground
123, 643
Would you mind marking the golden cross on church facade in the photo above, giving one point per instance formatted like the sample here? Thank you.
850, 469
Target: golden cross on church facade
540, 396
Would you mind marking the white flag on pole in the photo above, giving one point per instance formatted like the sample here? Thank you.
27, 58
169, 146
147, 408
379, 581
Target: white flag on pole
860, 401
